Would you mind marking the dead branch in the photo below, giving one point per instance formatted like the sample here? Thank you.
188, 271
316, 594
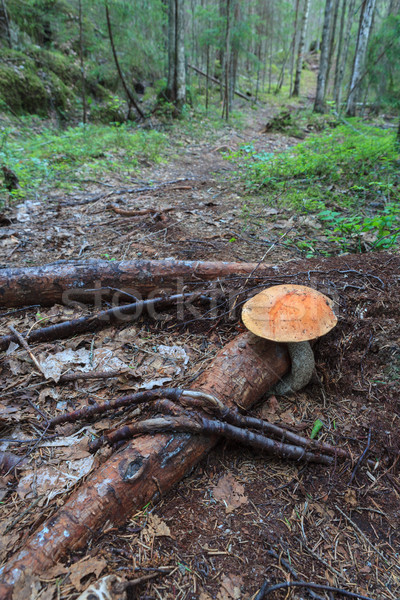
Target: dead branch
235, 418
93, 322
243, 371
202, 426
130, 400
314, 586
75, 281
124, 212
217, 81
17, 336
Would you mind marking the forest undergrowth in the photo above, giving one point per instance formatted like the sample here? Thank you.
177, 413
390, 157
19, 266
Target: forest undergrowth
344, 175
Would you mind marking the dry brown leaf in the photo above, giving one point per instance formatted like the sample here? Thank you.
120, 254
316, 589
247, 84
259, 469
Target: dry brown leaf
86, 566
27, 586
9, 413
269, 409
230, 587
288, 417
204, 596
230, 492
350, 498
158, 527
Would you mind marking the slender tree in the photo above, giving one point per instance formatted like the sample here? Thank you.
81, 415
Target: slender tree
319, 105
364, 29
342, 58
129, 94
227, 61
176, 85
81, 50
294, 44
300, 51
332, 37
5, 23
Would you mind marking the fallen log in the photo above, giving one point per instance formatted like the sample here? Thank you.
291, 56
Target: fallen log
99, 280
148, 466
217, 81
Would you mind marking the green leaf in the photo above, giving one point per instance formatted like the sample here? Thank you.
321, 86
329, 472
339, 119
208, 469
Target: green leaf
318, 425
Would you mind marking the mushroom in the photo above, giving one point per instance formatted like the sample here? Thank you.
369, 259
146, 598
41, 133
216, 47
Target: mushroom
293, 314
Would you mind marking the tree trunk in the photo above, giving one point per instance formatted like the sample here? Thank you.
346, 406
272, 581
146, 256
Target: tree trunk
99, 280
242, 372
339, 51
83, 86
291, 67
343, 58
319, 105
332, 38
176, 84
300, 53
227, 62
364, 30
5, 23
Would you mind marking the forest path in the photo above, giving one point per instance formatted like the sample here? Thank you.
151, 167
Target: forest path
209, 216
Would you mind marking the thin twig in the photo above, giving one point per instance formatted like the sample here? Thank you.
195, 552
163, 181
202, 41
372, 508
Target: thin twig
359, 462
24, 343
306, 584
292, 572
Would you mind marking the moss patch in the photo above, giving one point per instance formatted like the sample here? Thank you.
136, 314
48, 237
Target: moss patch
26, 89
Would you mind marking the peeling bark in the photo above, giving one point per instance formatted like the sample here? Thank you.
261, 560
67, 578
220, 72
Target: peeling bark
84, 281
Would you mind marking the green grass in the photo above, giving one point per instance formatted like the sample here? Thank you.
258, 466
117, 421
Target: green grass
46, 157
348, 177
43, 157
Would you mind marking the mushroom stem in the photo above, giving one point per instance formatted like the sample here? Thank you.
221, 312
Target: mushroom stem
303, 363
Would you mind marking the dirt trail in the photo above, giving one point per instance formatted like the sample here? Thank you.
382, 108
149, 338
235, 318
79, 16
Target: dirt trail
206, 221
225, 529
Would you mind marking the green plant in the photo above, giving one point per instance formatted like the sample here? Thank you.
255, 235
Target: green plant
47, 156
346, 177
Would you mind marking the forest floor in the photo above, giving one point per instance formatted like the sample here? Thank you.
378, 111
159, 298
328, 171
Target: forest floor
240, 518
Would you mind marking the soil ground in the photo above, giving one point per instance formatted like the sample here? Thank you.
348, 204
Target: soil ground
240, 518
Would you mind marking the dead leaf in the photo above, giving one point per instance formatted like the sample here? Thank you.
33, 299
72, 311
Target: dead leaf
12, 412
27, 586
107, 588
9, 461
230, 492
101, 359
269, 409
51, 481
204, 596
230, 587
83, 568
350, 498
48, 393
158, 527
288, 417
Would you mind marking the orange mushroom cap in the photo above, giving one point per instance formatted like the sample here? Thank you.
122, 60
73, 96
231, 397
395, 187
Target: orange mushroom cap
289, 313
